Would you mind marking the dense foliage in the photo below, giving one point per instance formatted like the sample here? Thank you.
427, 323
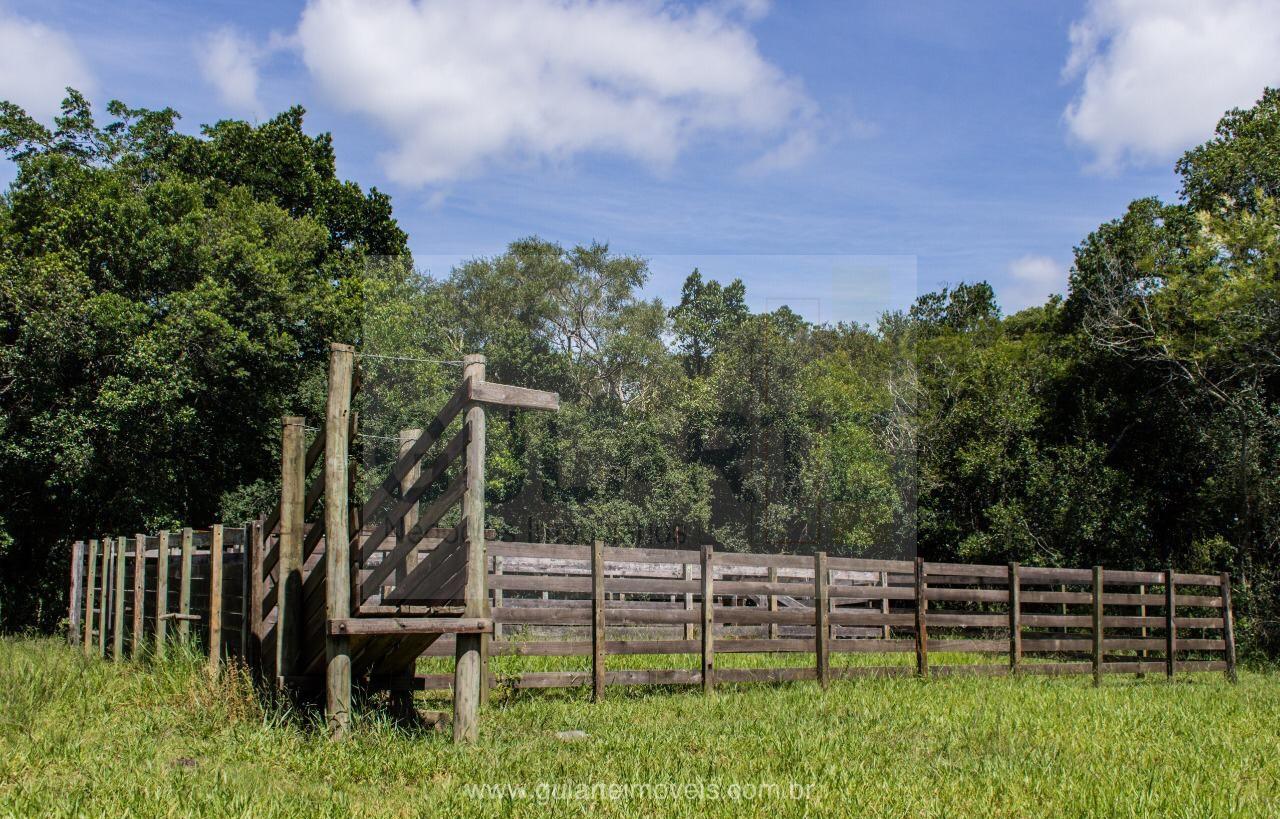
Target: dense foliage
166, 297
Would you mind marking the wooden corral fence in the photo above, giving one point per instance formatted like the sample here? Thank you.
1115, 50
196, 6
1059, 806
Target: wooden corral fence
400, 584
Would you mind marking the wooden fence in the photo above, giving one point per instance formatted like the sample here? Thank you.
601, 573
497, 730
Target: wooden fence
134, 594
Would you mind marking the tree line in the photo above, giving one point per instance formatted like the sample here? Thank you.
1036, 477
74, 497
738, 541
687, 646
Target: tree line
165, 298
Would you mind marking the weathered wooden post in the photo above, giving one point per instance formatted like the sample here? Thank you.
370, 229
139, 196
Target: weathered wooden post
689, 626
1015, 619
184, 585
1228, 627
1097, 625
215, 598
821, 626
91, 566
1142, 612
117, 600
1170, 626
597, 620
293, 478
104, 593
922, 633
246, 555
337, 557
76, 603
401, 696
468, 666
708, 619
162, 590
886, 631
255, 563
139, 593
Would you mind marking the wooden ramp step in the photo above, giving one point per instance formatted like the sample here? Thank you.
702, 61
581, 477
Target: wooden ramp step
358, 626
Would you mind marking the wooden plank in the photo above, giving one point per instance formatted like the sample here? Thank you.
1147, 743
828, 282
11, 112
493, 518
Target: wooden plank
660, 676
964, 569
91, 566
1036, 574
246, 568
708, 621
75, 601
969, 595
968, 620
289, 591
597, 621
822, 629
184, 584
1035, 643
469, 667
104, 593
922, 636
337, 563
773, 602
1197, 579
215, 599
687, 571
429, 518
257, 591
490, 392
1097, 625
365, 626
873, 646
1228, 627
139, 595
1015, 618
117, 599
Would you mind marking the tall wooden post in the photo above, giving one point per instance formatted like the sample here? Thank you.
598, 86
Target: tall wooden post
468, 667
293, 479
1142, 612
117, 626
1228, 627
184, 585
104, 592
708, 619
337, 549
162, 591
1097, 625
597, 620
139, 593
822, 626
401, 696
215, 598
773, 603
885, 630
91, 567
922, 626
256, 560
1015, 619
1170, 626
689, 627
75, 606
246, 560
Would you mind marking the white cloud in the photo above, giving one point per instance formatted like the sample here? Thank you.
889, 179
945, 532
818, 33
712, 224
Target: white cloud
1032, 279
459, 86
229, 63
1155, 75
37, 63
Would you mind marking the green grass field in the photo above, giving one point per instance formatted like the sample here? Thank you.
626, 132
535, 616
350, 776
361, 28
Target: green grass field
86, 737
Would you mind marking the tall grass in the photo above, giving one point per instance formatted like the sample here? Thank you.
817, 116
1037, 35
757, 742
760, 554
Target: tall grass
87, 737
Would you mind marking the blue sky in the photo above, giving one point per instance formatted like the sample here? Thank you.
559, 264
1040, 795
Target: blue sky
840, 157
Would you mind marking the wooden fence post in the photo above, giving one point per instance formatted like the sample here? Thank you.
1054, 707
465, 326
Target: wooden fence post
1228, 627
117, 619
689, 627
708, 619
773, 603
1142, 612
337, 538
1097, 625
468, 668
293, 480
886, 631
821, 626
104, 593
597, 621
256, 582
215, 598
162, 590
91, 567
246, 554
139, 594
922, 626
184, 585
497, 595
75, 605
1170, 626
1015, 619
